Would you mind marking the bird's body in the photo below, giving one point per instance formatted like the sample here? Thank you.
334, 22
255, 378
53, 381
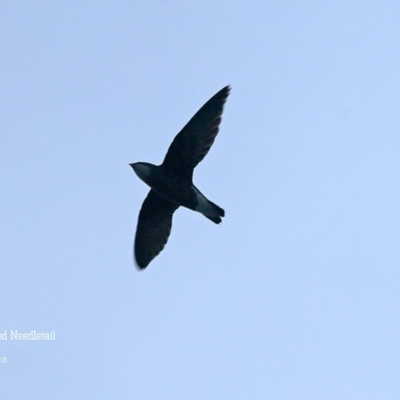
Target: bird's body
176, 190
171, 182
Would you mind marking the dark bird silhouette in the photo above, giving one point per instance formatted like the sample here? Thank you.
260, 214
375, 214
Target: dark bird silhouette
171, 182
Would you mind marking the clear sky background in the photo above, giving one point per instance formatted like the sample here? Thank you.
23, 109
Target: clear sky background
296, 295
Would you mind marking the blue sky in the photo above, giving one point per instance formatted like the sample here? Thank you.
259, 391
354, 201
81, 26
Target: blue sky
296, 295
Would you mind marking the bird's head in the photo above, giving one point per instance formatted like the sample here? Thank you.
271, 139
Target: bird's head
142, 170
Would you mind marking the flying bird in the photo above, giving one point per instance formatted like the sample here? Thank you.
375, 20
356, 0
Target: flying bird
171, 182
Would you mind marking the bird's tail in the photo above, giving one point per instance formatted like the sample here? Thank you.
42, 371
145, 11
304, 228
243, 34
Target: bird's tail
217, 213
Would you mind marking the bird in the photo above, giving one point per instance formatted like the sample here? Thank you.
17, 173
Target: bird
171, 182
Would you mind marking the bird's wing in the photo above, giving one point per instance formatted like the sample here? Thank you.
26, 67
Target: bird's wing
153, 228
192, 143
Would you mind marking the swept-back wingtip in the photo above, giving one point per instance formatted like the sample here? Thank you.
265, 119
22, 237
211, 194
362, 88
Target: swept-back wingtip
140, 267
225, 91
140, 264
